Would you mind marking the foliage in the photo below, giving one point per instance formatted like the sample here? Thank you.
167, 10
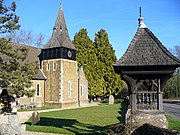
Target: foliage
106, 58
89, 120
8, 18
16, 72
172, 87
97, 58
174, 124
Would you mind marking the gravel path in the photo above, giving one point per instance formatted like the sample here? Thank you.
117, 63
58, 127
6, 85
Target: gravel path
24, 116
39, 133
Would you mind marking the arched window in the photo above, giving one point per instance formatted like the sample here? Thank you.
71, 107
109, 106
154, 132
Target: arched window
54, 66
48, 66
69, 89
38, 89
81, 90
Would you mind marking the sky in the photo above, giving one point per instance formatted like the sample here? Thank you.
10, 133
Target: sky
118, 17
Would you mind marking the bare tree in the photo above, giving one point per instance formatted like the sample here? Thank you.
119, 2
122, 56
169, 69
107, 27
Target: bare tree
175, 51
39, 40
27, 37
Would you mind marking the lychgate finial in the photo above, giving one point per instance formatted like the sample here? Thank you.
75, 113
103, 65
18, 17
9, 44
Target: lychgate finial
141, 19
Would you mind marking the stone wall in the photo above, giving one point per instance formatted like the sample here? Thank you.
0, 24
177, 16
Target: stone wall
83, 88
70, 75
154, 118
38, 99
147, 129
62, 83
53, 79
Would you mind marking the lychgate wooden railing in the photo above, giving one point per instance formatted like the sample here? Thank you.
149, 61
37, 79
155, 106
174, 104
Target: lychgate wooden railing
146, 100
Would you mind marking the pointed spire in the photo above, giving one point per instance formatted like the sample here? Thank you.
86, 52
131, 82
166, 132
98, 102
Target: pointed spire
61, 5
60, 36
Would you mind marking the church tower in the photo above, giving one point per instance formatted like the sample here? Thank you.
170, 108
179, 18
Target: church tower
58, 62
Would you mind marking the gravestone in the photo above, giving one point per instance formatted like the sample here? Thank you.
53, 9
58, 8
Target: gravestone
35, 118
111, 99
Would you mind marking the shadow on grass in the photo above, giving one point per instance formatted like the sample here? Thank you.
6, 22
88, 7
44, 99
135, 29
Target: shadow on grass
70, 126
122, 111
73, 126
119, 128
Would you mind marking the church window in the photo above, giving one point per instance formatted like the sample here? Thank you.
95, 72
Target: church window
81, 90
69, 88
48, 66
38, 89
54, 66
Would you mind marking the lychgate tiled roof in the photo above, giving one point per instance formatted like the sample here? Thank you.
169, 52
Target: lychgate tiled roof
60, 36
146, 50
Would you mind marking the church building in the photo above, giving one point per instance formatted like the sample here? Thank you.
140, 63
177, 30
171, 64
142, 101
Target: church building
59, 81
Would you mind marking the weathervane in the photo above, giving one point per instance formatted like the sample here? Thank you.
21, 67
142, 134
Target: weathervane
140, 12
141, 20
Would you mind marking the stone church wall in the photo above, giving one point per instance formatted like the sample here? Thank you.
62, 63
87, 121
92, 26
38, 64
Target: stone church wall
37, 99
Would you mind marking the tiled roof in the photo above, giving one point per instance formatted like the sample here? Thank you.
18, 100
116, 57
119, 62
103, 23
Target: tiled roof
32, 56
33, 52
60, 36
39, 76
146, 50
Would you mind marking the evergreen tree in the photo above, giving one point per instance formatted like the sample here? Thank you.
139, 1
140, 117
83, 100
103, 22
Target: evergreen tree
84, 46
16, 72
86, 58
97, 59
105, 53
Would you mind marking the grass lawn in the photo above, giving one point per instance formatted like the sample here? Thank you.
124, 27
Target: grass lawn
174, 123
89, 120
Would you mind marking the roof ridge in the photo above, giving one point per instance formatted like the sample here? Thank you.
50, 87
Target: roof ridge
23, 45
162, 47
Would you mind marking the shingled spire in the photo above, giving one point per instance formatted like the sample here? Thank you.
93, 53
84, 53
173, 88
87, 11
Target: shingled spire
60, 36
59, 46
